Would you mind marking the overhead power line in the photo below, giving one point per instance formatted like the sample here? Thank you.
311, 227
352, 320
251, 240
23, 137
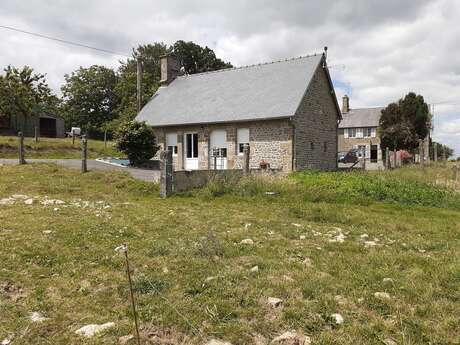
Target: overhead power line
64, 41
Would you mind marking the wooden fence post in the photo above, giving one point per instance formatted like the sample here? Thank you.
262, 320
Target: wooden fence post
21, 148
37, 134
73, 137
166, 177
84, 154
246, 151
456, 169
387, 158
421, 150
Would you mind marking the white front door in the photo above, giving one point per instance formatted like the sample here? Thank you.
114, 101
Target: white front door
191, 151
218, 149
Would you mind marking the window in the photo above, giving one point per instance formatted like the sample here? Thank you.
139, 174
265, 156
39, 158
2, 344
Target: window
359, 132
242, 135
367, 132
171, 143
312, 145
191, 140
361, 151
352, 132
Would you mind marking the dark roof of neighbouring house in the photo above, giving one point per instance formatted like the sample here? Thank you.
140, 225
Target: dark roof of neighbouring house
363, 117
257, 92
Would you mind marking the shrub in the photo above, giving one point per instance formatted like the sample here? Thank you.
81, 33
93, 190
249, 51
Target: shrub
137, 141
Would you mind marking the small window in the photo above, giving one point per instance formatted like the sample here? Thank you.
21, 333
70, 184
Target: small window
352, 132
367, 132
325, 146
242, 135
171, 143
312, 145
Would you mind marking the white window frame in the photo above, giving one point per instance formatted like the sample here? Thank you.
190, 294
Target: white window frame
359, 133
171, 143
373, 132
242, 138
351, 133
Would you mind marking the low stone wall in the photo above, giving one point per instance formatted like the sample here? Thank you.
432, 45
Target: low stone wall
186, 180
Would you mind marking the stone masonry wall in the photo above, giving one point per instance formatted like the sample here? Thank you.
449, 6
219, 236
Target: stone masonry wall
270, 140
316, 126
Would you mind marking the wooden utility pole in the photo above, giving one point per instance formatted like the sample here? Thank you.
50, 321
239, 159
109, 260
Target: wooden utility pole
139, 84
84, 154
21, 148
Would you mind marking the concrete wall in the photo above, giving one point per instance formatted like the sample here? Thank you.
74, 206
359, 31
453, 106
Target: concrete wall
269, 140
316, 125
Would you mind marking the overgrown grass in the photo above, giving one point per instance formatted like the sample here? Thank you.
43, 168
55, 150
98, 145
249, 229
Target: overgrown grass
55, 148
192, 275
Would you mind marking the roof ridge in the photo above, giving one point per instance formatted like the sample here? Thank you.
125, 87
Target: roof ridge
376, 107
251, 66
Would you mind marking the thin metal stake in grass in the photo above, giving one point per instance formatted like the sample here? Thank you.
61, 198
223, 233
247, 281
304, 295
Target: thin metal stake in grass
124, 249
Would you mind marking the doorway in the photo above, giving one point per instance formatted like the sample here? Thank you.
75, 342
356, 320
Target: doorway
374, 153
191, 151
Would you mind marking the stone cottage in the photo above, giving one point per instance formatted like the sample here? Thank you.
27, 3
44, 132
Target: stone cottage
359, 130
286, 111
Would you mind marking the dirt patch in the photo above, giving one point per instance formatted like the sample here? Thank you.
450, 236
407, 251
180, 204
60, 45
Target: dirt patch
12, 291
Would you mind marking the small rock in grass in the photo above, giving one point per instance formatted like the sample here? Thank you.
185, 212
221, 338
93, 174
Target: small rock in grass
364, 236
389, 341
37, 317
218, 342
307, 262
288, 278
29, 201
382, 295
296, 225
6, 341
210, 279
56, 209
19, 196
274, 302
255, 269
125, 339
7, 201
47, 232
247, 241
90, 330
302, 237
247, 225
337, 318
165, 270
387, 280
369, 244
291, 338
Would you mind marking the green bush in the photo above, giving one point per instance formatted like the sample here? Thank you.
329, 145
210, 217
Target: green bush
137, 141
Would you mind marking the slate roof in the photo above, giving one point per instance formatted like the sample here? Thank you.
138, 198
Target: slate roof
258, 92
363, 117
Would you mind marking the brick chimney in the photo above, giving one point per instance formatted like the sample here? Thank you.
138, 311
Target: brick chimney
345, 104
170, 68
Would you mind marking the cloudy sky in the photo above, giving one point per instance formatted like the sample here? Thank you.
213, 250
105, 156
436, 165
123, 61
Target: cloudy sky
379, 49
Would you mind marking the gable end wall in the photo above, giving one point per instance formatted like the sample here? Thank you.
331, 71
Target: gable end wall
316, 126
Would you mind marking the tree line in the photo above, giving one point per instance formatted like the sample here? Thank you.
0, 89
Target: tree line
98, 98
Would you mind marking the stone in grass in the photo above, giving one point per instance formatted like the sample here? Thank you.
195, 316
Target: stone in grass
337, 318
29, 201
389, 341
291, 338
247, 241
255, 269
6, 341
307, 262
125, 339
218, 342
274, 302
37, 317
387, 280
382, 295
302, 237
89, 331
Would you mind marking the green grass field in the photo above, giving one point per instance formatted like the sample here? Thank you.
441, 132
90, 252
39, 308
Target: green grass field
324, 243
48, 148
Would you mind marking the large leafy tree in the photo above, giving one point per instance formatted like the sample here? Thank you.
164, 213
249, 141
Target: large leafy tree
404, 123
24, 94
126, 88
191, 56
89, 98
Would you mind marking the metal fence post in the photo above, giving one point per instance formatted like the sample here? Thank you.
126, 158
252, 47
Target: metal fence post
166, 177
21, 148
84, 154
